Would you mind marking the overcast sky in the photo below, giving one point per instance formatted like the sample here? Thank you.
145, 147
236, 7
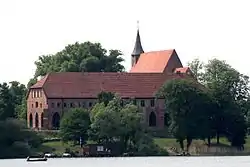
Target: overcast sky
195, 28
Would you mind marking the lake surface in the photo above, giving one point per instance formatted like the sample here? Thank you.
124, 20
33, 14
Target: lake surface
234, 161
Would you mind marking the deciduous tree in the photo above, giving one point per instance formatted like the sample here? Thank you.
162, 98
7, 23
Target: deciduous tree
75, 125
187, 104
78, 57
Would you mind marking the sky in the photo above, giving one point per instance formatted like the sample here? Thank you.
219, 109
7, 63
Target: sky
203, 29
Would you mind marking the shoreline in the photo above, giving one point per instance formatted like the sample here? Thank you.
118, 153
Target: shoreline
152, 156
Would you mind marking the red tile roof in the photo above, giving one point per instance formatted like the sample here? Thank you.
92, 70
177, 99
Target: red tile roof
88, 85
154, 62
40, 82
182, 70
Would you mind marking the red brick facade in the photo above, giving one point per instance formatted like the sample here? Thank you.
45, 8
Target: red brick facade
48, 115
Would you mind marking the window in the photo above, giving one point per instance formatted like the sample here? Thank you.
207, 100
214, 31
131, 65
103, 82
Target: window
142, 103
64, 104
152, 103
41, 105
71, 105
134, 102
52, 105
90, 104
36, 104
152, 119
32, 105
100, 148
58, 104
83, 104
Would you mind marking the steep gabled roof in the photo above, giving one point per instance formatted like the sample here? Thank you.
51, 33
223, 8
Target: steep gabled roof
40, 83
154, 62
88, 85
138, 47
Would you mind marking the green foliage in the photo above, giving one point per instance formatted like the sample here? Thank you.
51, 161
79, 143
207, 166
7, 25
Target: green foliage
7, 107
31, 82
12, 100
115, 123
105, 125
87, 56
19, 142
229, 90
18, 92
186, 102
105, 97
75, 124
196, 67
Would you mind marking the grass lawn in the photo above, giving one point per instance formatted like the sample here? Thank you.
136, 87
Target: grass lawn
200, 144
57, 147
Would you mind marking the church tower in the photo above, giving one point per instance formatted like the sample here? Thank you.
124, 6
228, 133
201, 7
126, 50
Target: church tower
137, 49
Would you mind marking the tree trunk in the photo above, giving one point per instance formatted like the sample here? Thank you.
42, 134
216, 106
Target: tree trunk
218, 138
209, 141
181, 144
189, 141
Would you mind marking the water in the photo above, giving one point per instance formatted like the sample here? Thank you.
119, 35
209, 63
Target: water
234, 161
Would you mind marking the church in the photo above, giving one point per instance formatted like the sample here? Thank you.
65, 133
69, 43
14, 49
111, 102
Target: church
57, 92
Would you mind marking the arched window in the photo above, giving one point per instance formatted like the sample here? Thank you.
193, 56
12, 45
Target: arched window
152, 119
56, 120
36, 121
41, 120
36, 104
31, 121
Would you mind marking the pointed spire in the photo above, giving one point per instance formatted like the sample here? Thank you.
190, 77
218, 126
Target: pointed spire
138, 48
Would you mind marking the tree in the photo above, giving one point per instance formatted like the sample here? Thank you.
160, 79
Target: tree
116, 123
75, 125
18, 92
87, 57
7, 107
105, 97
196, 66
236, 127
187, 103
31, 82
20, 142
224, 80
229, 89
106, 121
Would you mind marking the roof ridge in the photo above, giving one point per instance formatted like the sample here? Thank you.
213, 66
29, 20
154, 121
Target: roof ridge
164, 50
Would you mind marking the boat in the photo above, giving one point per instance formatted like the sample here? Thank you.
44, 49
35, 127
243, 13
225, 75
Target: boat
36, 159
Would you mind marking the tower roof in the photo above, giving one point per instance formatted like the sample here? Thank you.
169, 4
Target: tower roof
138, 48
